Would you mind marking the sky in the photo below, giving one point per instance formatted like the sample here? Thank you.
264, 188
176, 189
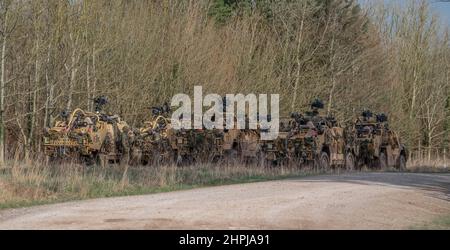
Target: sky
441, 7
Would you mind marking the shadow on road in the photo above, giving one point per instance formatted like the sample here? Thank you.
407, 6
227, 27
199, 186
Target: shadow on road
438, 184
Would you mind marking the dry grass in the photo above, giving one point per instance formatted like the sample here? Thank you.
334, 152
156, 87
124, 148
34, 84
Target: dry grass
425, 165
31, 184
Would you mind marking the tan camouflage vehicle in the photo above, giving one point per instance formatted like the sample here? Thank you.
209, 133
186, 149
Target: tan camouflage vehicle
304, 140
225, 142
370, 142
187, 145
89, 137
151, 145
282, 149
202, 145
249, 146
317, 139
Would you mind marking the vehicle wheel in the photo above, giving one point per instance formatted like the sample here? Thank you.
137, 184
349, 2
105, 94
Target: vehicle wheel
102, 160
324, 162
293, 162
402, 163
232, 157
261, 160
168, 158
307, 165
89, 161
135, 157
350, 162
179, 160
383, 161
125, 158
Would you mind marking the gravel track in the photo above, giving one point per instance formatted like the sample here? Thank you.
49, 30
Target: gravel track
350, 201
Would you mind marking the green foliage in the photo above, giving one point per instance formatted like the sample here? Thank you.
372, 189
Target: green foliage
347, 14
439, 223
223, 10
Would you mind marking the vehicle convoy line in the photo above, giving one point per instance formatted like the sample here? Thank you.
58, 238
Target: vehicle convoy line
350, 201
311, 139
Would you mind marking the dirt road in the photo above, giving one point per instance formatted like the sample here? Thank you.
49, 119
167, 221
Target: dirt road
359, 201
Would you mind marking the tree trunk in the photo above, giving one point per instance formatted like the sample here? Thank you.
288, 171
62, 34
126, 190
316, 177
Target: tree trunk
333, 77
32, 117
88, 86
2, 95
94, 78
297, 76
48, 92
73, 71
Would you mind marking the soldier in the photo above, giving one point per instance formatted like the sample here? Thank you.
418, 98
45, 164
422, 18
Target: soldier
99, 103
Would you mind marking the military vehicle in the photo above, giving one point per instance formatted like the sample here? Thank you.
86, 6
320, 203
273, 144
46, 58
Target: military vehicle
370, 142
151, 144
312, 139
183, 144
280, 151
90, 137
224, 143
250, 147
188, 145
304, 140
201, 145
317, 139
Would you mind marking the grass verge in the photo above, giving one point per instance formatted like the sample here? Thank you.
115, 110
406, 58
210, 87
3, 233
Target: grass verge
23, 185
37, 184
440, 223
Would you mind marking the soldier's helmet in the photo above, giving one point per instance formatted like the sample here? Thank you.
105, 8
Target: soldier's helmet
156, 111
166, 108
99, 102
163, 110
317, 104
366, 116
382, 118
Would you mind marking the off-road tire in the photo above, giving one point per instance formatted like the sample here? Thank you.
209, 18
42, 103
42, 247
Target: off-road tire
382, 161
350, 163
402, 163
324, 162
101, 160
